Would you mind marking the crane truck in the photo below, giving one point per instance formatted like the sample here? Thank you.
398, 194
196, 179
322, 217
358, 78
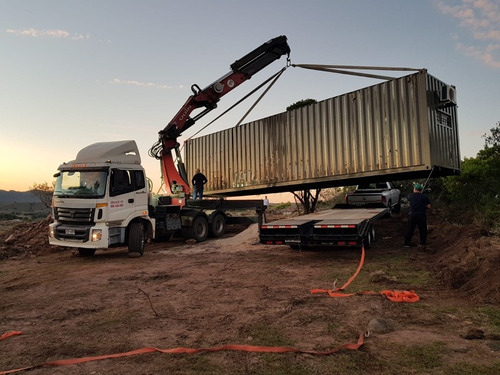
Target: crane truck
102, 198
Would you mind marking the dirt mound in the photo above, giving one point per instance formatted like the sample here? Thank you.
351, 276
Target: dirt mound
25, 240
468, 262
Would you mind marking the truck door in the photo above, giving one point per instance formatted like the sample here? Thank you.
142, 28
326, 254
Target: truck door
140, 189
122, 201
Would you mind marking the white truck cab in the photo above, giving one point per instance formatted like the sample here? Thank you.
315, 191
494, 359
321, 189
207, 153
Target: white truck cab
101, 200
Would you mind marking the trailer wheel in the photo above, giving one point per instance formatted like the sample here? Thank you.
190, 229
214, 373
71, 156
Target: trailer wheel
372, 231
136, 238
199, 229
218, 226
86, 252
367, 240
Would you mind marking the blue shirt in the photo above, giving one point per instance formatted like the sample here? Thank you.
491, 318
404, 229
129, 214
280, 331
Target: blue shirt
418, 203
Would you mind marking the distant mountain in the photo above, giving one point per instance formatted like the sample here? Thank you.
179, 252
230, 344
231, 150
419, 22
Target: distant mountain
11, 196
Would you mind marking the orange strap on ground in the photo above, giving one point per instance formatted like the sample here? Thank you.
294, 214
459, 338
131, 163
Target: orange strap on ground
243, 348
9, 334
392, 295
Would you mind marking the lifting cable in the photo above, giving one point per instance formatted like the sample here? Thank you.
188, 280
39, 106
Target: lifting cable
392, 295
340, 70
181, 350
274, 78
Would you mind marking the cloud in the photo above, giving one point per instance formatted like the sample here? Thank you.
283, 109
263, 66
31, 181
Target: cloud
58, 34
145, 84
481, 18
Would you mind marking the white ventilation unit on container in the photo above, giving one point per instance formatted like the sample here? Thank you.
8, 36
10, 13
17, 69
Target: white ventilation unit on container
448, 95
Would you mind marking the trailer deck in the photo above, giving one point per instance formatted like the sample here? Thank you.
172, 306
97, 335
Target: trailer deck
336, 227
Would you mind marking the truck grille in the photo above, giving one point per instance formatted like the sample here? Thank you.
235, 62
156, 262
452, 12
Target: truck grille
74, 215
77, 233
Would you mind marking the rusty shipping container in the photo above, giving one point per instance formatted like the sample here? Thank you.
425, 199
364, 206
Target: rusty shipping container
400, 129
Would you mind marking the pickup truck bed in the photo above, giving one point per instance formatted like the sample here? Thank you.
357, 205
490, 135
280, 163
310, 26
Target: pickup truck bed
381, 194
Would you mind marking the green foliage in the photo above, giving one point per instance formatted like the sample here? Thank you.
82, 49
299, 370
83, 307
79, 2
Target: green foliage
475, 192
8, 216
281, 206
300, 104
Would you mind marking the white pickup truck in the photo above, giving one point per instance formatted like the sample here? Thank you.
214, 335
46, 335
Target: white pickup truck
376, 194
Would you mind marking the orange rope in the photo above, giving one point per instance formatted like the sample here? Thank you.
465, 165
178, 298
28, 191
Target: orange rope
243, 348
392, 295
9, 334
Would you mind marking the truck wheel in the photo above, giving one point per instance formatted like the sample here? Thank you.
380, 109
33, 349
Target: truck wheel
218, 226
389, 208
397, 207
136, 238
199, 229
86, 252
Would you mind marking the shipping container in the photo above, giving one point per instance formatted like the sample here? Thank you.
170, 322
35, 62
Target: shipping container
403, 128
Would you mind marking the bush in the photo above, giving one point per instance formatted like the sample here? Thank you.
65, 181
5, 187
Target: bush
475, 191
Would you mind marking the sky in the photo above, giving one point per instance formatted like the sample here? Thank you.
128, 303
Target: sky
75, 72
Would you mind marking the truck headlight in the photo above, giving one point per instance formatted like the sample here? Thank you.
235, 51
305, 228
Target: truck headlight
96, 235
51, 232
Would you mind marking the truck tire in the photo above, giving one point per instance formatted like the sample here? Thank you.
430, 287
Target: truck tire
136, 238
86, 252
199, 228
397, 207
389, 208
217, 226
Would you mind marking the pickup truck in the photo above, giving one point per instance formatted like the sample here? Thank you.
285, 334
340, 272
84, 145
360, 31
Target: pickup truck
381, 194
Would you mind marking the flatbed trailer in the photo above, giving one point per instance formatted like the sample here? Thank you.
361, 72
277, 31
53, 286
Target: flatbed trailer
341, 226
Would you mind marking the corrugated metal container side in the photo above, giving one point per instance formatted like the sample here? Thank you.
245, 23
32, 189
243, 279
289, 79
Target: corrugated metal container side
398, 129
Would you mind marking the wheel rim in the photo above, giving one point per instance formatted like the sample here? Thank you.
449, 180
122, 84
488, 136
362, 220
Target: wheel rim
201, 229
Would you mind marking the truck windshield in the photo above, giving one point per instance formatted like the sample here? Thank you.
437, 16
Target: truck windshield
81, 184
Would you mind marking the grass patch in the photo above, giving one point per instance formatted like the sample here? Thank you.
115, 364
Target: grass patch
381, 272
354, 363
465, 368
484, 316
423, 357
263, 335
490, 316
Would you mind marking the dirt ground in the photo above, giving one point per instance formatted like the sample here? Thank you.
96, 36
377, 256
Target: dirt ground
234, 290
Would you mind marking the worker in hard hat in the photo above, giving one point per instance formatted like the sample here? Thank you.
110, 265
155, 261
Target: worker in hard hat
419, 203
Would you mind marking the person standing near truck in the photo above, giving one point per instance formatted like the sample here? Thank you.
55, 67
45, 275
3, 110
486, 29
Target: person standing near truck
199, 181
419, 203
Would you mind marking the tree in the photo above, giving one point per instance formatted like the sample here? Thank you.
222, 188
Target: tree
307, 200
474, 193
492, 141
43, 192
300, 104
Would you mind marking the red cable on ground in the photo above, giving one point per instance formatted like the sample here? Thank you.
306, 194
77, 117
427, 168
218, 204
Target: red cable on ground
392, 295
243, 348
9, 334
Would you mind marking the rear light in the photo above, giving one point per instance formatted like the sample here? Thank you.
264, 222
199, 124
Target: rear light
384, 199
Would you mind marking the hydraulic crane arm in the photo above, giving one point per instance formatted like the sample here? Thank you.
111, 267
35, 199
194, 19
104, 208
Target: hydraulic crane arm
241, 70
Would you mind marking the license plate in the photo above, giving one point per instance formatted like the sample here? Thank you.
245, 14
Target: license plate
70, 231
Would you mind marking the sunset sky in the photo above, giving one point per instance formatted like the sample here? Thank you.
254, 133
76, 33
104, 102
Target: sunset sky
77, 72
